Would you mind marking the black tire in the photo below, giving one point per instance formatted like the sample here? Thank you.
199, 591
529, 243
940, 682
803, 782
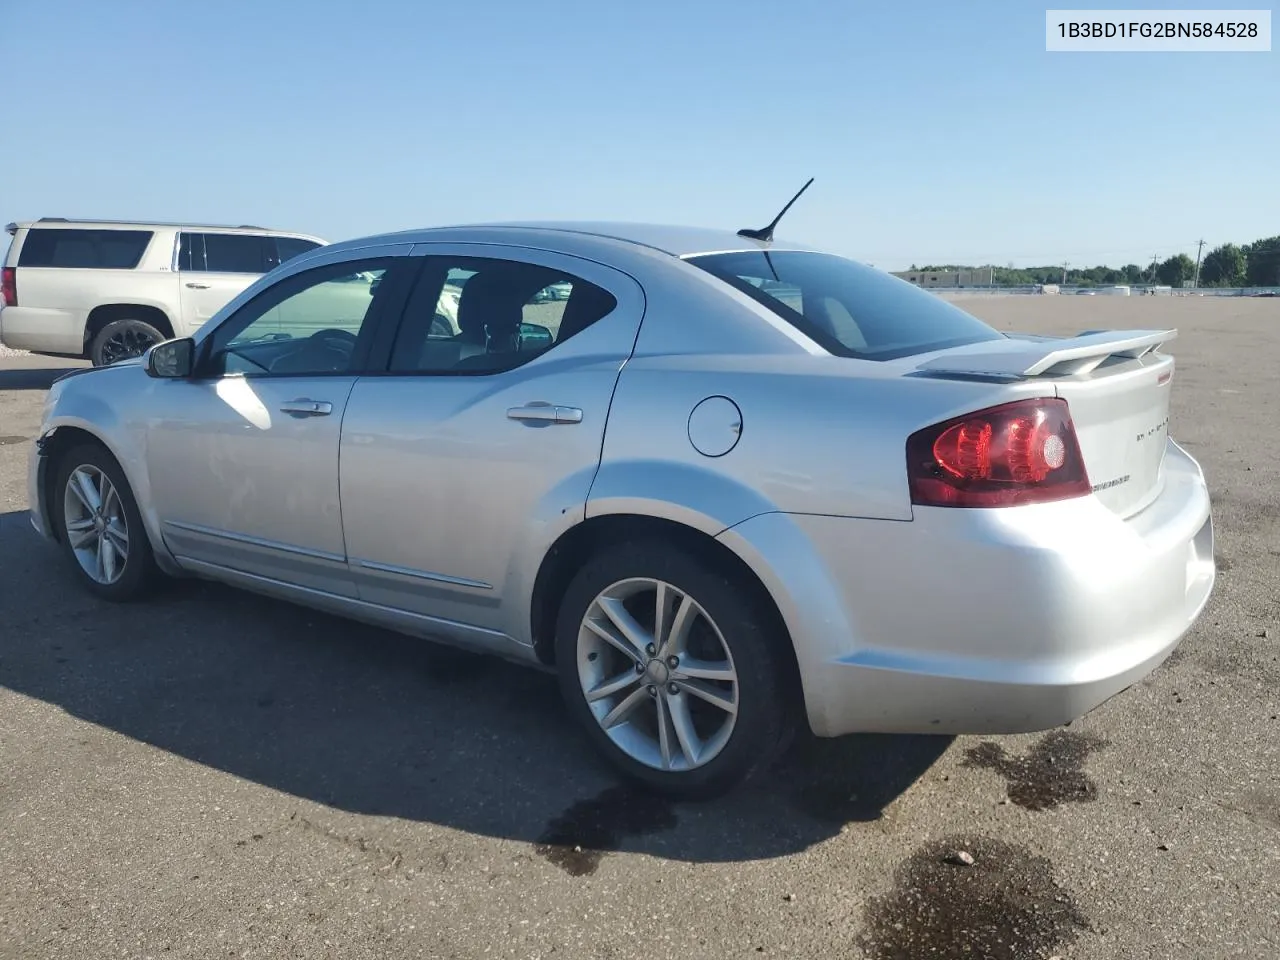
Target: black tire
140, 573
122, 338
768, 706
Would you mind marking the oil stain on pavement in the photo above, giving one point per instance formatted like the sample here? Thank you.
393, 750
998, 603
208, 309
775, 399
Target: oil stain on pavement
577, 840
999, 902
1051, 774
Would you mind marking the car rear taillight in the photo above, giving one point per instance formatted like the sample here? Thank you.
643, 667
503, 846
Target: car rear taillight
1016, 453
9, 286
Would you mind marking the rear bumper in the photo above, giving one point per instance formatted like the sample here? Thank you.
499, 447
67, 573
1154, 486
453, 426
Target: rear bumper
44, 331
985, 621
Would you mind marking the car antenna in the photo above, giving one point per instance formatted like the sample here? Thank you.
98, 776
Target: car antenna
767, 233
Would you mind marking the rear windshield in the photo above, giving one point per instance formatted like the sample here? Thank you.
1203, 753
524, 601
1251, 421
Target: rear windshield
101, 249
851, 309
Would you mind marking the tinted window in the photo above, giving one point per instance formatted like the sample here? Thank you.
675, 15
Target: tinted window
225, 253
236, 253
289, 247
307, 324
474, 315
94, 249
852, 310
191, 252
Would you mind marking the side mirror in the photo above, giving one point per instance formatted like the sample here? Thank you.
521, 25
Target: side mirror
172, 359
535, 334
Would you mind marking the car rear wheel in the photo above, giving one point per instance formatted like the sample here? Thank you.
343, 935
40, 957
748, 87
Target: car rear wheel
672, 670
122, 339
100, 526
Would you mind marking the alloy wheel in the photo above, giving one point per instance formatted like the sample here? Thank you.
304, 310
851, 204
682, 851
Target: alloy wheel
125, 345
95, 523
657, 674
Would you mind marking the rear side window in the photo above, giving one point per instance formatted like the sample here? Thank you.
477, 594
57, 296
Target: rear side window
225, 253
474, 315
84, 249
852, 310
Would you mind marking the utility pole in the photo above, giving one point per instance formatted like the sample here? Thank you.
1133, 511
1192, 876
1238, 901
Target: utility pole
1196, 281
1155, 258
1064, 273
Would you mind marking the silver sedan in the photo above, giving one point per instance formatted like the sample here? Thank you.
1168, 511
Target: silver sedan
723, 486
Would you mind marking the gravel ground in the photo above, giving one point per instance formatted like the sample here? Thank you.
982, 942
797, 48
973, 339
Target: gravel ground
215, 774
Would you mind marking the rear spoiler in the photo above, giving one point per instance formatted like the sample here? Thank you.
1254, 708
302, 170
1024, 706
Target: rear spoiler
1055, 357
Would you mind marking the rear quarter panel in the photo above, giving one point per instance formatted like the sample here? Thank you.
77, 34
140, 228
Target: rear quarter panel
819, 435
55, 302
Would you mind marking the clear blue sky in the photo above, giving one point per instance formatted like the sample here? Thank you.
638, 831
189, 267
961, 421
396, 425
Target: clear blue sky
937, 131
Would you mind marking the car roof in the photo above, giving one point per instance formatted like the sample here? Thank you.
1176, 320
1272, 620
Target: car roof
678, 241
73, 222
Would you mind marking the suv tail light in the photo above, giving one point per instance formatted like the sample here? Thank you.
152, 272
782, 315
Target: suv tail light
9, 286
1016, 453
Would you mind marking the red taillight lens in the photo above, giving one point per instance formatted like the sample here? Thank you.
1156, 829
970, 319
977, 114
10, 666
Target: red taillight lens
9, 286
1016, 453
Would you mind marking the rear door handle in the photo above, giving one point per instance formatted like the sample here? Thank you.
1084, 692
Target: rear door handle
192, 285
304, 407
540, 412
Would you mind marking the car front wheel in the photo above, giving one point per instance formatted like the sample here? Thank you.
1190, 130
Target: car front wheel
673, 670
100, 526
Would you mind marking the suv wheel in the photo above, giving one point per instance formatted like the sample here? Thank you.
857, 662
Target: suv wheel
122, 339
100, 526
668, 666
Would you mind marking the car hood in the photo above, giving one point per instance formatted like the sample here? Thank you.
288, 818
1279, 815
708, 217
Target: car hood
80, 372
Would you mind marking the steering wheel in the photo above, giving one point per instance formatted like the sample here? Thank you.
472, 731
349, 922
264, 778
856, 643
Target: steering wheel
336, 338
327, 349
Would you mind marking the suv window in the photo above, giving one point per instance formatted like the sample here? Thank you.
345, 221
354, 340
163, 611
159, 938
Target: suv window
91, 249
225, 253
289, 247
851, 309
310, 323
472, 315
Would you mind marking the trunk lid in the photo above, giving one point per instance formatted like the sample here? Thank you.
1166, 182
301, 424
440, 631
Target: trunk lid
1117, 386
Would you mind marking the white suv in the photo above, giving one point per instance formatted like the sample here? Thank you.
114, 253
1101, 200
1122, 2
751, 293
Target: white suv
108, 290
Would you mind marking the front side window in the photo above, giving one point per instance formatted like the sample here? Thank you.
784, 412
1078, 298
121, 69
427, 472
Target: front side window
851, 309
289, 247
84, 249
472, 315
236, 253
310, 323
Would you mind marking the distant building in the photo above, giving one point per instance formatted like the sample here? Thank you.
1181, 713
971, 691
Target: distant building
947, 278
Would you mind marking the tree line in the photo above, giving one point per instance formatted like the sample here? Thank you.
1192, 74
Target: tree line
1254, 264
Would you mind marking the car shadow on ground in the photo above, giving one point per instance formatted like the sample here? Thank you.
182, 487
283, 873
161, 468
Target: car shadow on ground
370, 722
31, 378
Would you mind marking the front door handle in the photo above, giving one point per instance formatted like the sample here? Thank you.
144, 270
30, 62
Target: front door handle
192, 285
541, 412
304, 407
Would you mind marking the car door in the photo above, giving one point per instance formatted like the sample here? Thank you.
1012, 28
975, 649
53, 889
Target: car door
243, 456
463, 463
213, 268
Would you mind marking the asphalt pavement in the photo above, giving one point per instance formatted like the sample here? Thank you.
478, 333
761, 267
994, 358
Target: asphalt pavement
212, 774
